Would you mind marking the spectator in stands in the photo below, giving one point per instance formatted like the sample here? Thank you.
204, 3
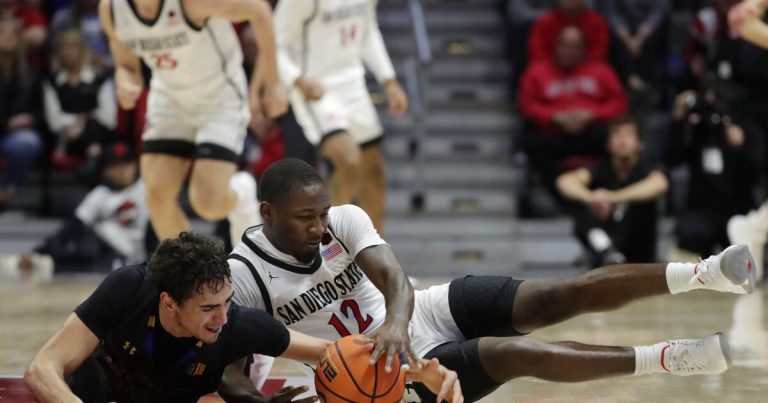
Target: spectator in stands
568, 100
724, 157
546, 30
615, 216
34, 27
20, 103
638, 26
80, 104
108, 227
83, 15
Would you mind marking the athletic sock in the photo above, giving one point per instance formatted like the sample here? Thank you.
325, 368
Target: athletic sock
648, 359
679, 276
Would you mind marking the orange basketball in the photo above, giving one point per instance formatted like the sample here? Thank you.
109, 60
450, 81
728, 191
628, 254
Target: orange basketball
345, 375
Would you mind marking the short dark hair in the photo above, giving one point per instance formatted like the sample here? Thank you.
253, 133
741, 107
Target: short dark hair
188, 264
285, 175
615, 123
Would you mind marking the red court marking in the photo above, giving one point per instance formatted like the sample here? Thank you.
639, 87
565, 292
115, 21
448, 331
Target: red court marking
13, 390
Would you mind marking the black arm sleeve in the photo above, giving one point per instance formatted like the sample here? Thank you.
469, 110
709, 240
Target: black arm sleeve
103, 310
254, 331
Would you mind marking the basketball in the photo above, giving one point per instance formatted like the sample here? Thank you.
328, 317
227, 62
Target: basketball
345, 375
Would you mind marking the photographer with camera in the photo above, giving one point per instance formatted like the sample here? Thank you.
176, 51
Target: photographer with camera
724, 153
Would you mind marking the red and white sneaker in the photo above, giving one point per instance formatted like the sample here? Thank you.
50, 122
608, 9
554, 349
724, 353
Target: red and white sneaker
732, 270
709, 355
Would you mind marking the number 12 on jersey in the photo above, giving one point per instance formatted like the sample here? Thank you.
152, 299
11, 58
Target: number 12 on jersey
350, 306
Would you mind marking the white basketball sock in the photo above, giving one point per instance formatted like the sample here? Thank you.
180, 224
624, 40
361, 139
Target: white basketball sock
648, 359
679, 276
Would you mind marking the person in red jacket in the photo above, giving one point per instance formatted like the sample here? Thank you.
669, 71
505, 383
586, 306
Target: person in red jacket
543, 36
568, 101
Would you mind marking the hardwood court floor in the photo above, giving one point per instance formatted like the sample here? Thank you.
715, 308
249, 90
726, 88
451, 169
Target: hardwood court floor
29, 315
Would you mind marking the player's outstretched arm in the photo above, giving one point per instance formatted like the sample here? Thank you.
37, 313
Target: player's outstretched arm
381, 266
60, 356
305, 348
128, 79
440, 380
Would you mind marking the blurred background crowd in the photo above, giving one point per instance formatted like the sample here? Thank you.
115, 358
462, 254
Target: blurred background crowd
629, 111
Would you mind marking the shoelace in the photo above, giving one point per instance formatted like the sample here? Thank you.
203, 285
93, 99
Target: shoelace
687, 357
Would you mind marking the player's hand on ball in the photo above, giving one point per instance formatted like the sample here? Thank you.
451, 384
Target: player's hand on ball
391, 338
311, 89
438, 379
275, 100
287, 394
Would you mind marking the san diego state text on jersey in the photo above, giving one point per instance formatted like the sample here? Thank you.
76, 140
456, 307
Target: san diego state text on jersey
320, 295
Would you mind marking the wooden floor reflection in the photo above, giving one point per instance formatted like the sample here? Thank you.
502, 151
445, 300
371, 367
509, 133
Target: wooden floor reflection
29, 315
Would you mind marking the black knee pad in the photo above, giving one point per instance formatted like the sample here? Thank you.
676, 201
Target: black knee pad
482, 305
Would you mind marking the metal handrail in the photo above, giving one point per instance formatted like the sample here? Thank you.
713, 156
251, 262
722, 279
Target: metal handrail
418, 87
419, 25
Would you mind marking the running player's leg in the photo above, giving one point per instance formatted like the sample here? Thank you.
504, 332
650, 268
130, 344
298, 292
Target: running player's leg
209, 191
373, 185
365, 127
163, 176
216, 189
344, 155
168, 146
325, 123
540, 303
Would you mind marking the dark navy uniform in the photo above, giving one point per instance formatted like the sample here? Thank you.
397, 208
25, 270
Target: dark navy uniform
138, 361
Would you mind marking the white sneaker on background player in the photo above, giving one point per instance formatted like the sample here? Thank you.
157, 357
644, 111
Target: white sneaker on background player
246, 211
732, 270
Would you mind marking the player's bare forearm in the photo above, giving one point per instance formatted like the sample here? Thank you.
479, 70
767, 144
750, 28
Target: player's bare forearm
61, 355
47, 382
266, 62
381, 266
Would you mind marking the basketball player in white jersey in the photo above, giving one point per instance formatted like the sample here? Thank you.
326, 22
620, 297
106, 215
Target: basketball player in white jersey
322, 46
199, 100
325, 271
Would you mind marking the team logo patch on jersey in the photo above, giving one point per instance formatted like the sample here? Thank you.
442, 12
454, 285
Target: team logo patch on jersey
331, 252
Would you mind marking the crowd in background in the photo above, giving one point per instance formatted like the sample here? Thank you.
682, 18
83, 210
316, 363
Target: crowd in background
581, 68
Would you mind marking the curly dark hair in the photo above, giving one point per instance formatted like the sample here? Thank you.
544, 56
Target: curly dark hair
190, 263
282, 177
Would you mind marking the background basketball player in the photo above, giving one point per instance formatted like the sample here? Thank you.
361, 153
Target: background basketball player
199, 100
322, 47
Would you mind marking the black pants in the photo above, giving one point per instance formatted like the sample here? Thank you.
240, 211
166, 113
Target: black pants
546, 152
632, 231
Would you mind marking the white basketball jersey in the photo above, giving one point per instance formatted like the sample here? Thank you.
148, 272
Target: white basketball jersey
329, 298
190, 65
329, 40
